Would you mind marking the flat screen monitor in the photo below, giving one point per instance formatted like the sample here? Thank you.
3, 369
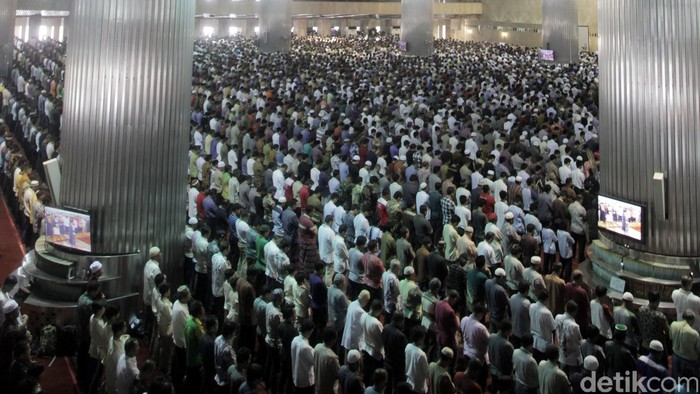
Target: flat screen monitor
403, 46
68, 229
547, 55
621, 217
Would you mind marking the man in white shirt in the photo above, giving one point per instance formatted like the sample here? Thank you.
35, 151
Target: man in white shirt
485, 249
278, 180
542, 325
352, 334
684, 299
180, 315
303, 360
341, 255
361, 225
417, 361
219, 265
475, 335
422, 198
150, 270
372, 345
533, 277
127, 369
565, 171
325, 247
569, 339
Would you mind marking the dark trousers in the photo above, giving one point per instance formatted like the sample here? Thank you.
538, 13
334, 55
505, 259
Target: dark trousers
354, 289
201, 286
579, 246
320, 318
547, 263
538, 355
394, 378
177, 369
261, 354
96, 370
483, 375
247, 337
286, 385
370, 364
305, 390
187, 269
566, 268
193, 379
272, 366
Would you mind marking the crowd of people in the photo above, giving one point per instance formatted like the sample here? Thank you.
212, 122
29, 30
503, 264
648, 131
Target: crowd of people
359, 221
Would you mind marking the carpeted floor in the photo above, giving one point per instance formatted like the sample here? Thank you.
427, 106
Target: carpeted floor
11, 248
58, 376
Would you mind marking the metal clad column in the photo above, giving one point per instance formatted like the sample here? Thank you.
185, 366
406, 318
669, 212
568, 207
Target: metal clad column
275, 26
126, 124
560, 29
650, 115
417, 26
8, 11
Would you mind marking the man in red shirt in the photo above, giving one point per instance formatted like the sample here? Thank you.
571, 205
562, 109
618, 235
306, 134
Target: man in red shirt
374, 269
200, 202
446, 321
490, 201
575, 292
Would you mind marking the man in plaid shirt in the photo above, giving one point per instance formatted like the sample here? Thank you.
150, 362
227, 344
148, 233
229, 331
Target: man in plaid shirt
447, 205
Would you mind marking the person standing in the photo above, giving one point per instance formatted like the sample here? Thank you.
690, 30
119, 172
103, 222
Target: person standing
394, 348
303, 360
574, 291
525, 367
127, 369
181, 315
653, 367
446, 321
500, 352
519, 306
439, 377
542, 325
319, 300
326, 364
556, 286
687, 300
372, 345
150, 270
352, 334
497, 299
417, 362
652, 323
552, 380
373, 268
623, 315
569, 339
476, 340
686, 346
194, 329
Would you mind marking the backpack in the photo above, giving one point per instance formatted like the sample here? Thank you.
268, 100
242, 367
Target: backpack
47, 341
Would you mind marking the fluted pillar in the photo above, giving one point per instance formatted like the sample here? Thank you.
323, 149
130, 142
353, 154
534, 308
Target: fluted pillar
300, 26
417, 26
650, 115
560, 29
126, 125
8, 11
275, 26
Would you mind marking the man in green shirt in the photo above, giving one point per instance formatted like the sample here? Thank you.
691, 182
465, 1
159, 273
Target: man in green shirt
260, 243
193, 330
686, 345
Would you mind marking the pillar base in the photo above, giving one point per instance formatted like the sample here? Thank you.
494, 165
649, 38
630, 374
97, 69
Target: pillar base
642, 272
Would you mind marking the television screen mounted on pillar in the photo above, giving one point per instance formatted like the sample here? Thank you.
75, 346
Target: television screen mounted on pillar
547, 55
67, 229
621, 217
